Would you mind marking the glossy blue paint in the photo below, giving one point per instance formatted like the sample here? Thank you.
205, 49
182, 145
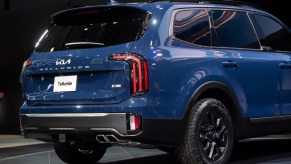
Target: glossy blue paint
96, 75
256, 77
176, 71
285, 80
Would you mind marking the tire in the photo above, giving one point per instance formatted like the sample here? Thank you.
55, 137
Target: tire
73, 153
209, 135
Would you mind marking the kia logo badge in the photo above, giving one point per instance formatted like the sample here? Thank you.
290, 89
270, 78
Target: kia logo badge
63, 62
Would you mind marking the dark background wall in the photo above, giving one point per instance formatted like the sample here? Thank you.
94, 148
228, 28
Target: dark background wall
21, 24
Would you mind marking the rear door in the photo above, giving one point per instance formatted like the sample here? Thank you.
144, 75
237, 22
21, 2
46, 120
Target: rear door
277, 38
252, 72
71, 63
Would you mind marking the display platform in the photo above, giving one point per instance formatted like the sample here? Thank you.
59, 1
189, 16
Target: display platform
271, 150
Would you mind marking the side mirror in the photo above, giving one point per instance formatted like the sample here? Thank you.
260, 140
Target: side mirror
267, 49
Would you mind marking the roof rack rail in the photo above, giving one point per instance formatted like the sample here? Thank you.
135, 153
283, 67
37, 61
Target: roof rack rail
230, 2
224, 2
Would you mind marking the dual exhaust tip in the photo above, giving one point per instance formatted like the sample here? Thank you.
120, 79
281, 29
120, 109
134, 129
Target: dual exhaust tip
107, 139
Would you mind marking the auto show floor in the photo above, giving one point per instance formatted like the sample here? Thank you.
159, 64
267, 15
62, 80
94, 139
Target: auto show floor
271, 150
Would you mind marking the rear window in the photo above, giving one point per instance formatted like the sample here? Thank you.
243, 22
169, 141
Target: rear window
94, 27
233, 29
193, 26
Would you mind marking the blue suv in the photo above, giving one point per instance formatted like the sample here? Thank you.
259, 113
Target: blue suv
183, 76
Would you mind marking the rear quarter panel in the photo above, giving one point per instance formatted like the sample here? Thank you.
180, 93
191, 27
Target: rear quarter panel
176, 70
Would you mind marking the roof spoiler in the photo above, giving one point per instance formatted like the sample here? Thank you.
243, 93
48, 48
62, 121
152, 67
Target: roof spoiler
112, 2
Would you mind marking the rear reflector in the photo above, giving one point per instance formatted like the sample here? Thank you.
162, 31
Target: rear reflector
134, 122
139, 72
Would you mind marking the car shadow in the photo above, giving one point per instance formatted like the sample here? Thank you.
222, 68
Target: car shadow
164, 158
245, 152
262, 151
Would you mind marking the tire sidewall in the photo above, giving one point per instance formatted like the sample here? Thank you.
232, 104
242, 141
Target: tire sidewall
198, 112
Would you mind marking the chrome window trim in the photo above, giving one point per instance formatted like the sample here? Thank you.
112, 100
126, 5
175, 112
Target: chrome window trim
252, 23
175, 11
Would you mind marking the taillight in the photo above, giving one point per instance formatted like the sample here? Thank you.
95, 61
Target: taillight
139, 71
88, 12
26, 64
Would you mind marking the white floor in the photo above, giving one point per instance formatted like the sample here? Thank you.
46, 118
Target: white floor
7, 141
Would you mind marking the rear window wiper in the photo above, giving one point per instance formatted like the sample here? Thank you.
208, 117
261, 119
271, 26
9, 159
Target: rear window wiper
83, 45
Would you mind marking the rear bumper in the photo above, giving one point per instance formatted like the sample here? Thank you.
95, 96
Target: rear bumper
78, 123
152, 131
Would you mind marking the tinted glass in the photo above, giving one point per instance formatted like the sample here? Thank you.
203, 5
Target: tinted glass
273, 34
98, 27
234, 29
193, 26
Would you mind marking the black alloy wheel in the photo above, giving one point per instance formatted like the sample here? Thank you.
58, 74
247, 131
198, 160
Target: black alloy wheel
209, 135
213, 135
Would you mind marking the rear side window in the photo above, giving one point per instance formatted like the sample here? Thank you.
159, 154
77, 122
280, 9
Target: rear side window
193, 26
233, 29
273, 34
94, 27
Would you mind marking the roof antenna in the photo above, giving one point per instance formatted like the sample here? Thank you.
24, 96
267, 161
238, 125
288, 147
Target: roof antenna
112, 2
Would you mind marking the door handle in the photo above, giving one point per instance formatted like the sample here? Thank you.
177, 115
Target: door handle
285, 65
230, 64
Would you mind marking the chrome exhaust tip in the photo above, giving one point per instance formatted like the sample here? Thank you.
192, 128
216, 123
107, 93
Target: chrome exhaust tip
101, 139
112, 139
